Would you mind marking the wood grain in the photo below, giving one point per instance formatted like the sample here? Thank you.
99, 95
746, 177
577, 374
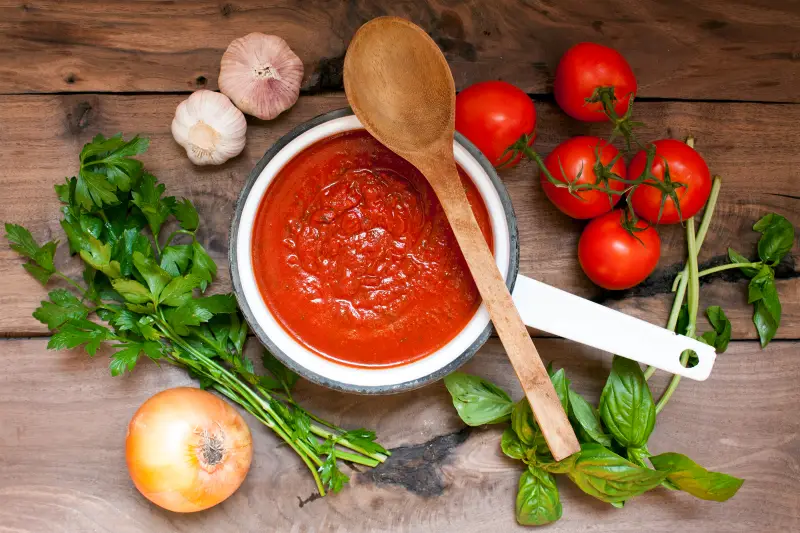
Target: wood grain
62, 469
717, 49
748, 144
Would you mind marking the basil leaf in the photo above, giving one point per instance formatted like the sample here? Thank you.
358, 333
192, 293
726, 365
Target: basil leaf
587, 418
608, 477
557, 467
476, 400
626, 404
736, 257
690, 477
638, 455
721, 336
777, 237
511, 445
523, 423
683, 320
561, 384
766, 324
755, 290
538, 502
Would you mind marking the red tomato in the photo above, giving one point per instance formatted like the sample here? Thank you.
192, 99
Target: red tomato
613, 258
585, 67
577, 158
493, 115
685, 166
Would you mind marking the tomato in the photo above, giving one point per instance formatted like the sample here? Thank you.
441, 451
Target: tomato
686, 166
584, 68
493, 115
613, 258
187, 450
577, 157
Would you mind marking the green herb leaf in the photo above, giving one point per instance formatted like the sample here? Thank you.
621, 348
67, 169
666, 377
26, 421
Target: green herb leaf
179, 291
638, 456
363, 438
736, 257
511, 445
561, 384
199, 310
476, 400
62, 307
155, 276
92, 189
767, 311
285, 377
131, 290
331, 476
202, 265
777, 237
608, 477
538, 502
186, 215
585, 416
557, 467
41, 264
98, 255
765, 322
722, 328
238, 332
111, 157
125, 359
147, 198
175, 259
626, 404
524, 424
80, 331
690, 477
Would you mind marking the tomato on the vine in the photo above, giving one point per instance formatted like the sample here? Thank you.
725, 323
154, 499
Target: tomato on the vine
493, 115
688, 180
575, 161
612, 257
586, 67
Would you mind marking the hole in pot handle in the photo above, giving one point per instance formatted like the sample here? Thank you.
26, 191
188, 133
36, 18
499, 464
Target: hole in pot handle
563, 314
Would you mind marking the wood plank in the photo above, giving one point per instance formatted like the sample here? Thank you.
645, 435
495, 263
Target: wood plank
750, 145
718, 49
62, 469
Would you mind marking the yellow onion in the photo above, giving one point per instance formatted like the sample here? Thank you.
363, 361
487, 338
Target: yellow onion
187, 450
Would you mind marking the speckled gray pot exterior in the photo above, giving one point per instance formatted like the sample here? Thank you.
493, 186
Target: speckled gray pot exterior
324, 381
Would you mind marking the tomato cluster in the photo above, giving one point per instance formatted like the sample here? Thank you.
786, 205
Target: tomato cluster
665, 182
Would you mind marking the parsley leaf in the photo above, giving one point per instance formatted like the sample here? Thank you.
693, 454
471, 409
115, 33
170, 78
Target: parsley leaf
285, 377
133, 291
62, 307
155, 276
80, 331
41, 264
147, 198
187, 215
202, 265
199, 310
331, 476
363, 438
126, 358
175, 259
179, 290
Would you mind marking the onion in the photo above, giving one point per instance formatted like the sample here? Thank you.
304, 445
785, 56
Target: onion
187, 450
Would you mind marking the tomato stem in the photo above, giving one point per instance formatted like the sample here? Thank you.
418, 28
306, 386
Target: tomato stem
623, 125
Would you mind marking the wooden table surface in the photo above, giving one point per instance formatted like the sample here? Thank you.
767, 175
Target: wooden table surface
725, 71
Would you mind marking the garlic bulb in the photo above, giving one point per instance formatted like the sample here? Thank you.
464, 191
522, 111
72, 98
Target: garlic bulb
261, 75
210, 127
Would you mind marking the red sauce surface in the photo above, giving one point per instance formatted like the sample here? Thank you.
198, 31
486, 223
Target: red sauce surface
354, 256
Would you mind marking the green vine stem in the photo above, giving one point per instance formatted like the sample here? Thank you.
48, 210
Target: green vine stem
681, 281
693, 299
729, 266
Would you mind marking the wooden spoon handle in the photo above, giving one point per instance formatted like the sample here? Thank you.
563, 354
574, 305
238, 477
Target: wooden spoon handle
524, 358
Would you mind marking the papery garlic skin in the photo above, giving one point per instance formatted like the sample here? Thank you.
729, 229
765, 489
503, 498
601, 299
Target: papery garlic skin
210, 127
261, 75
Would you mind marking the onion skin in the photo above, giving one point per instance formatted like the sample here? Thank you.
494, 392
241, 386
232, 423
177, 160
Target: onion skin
187, 450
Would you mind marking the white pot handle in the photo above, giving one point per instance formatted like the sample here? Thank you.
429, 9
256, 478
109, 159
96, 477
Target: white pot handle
558, 312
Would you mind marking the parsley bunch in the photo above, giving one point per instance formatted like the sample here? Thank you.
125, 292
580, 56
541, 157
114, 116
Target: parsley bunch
152, 298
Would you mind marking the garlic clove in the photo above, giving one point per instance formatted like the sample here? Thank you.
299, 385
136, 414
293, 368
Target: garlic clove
209, 127
261, 75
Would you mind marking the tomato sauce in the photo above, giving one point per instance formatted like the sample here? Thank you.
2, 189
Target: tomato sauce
354, 256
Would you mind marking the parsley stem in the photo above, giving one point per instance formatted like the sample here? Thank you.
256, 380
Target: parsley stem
680, 290
729, 266
80, 289
322, 432
176, 233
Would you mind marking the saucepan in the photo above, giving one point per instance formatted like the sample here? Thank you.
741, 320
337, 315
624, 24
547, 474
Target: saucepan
541, 306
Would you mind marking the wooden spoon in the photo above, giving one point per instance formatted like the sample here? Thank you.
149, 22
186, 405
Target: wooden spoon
401, 88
